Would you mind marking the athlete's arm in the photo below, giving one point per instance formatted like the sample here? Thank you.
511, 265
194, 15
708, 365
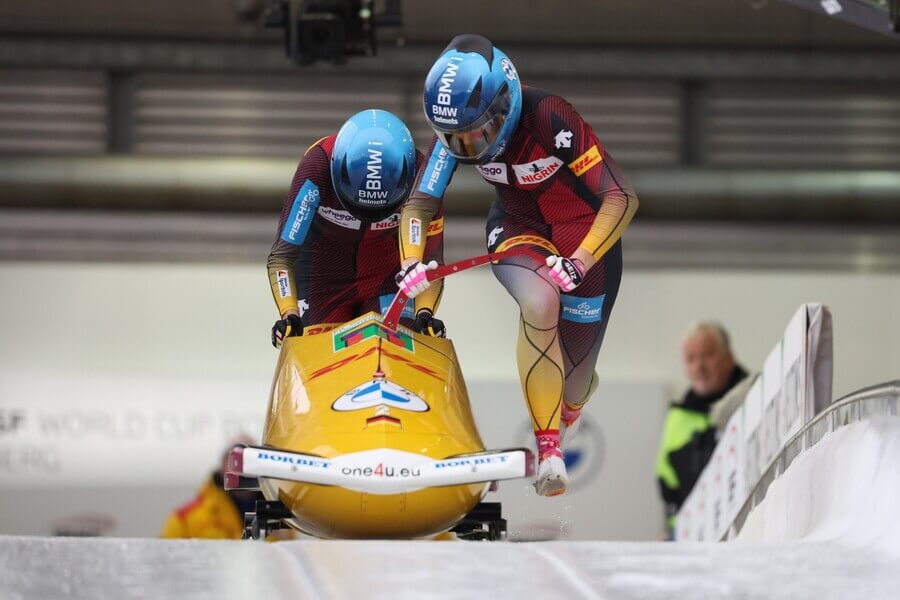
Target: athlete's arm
430, 299
619, 204
434, 176
297, 215
573, 141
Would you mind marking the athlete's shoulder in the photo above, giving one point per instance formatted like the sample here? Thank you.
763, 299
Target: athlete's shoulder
550, 112
557, 126
325, 144
314, 167
531, 98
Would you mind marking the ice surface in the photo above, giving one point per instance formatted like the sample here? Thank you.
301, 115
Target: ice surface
119, 569
845, 488
830, 522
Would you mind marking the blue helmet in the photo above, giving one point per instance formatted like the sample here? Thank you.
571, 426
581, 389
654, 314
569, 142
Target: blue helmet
373, 164
473, 99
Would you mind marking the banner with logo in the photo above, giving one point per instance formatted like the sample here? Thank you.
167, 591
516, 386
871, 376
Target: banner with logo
734, 475
752, 447
78, 430
819, 359
771, 378
792, 412
794, 386
717, 492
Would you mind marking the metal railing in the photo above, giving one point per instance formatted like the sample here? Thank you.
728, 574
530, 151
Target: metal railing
875, 401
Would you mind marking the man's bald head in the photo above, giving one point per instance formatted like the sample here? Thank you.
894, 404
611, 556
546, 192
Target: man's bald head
707, 357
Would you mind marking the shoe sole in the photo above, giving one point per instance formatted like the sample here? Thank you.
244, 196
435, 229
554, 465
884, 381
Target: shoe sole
552, 487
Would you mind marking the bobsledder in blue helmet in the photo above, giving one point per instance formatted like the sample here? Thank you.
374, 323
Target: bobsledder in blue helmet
559, 195
344, 201
473, 99
373, 164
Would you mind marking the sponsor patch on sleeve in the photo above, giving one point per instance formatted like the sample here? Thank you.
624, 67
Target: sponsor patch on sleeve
302, 213
586, 161
437, 172
415, 231
436, 227
284, 283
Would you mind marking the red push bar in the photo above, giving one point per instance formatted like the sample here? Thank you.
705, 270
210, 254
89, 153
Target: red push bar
392, 316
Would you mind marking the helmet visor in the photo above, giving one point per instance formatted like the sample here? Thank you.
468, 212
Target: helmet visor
473, 142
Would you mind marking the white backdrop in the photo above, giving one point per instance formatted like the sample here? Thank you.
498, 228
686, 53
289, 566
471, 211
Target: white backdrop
213, 320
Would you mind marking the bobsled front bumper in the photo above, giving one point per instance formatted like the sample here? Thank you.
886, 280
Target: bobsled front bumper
380, 471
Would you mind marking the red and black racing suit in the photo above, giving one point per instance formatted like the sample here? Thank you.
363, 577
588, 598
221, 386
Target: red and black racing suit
330, 265
557, 189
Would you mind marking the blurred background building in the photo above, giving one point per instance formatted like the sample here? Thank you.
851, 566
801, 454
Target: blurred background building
145, 149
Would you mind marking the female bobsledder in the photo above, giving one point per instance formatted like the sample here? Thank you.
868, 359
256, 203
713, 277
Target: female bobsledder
557, 191
336, 255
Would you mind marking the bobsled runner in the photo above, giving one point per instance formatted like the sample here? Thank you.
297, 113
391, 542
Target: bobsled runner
370, 434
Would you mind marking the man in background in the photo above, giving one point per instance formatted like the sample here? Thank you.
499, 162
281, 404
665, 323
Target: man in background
689, 432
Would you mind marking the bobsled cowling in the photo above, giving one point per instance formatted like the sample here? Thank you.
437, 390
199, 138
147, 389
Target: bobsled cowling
370, 434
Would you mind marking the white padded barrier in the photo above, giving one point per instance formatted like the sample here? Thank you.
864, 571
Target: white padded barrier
794, 386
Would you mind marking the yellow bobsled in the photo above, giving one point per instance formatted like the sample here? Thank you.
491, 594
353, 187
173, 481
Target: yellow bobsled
370, 435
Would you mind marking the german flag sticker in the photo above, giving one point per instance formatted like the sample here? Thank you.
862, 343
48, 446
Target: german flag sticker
383, 419
586, 161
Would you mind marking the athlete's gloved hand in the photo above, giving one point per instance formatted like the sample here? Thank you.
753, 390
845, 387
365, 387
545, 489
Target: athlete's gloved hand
289, 326
427, 324
567, 273
412, 280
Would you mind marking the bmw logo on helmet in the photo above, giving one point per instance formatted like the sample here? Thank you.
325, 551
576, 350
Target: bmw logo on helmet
473, 99
373, 164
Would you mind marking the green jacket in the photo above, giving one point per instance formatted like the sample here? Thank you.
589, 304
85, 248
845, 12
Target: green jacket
688, 441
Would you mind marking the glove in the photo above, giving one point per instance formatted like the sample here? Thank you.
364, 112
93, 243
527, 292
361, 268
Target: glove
412, 280
567, 273
427, 324
286, 327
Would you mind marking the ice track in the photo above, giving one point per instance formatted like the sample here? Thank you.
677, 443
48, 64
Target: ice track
119, 569
831, 524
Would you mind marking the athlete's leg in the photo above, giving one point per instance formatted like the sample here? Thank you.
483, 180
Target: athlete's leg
538, 351
540, 362
582, 332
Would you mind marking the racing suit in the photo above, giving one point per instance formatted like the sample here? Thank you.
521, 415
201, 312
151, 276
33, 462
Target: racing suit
328, 264
557, 190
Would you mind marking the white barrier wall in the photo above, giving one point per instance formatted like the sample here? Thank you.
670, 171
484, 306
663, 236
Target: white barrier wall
752, 411
735, 473
794, 385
